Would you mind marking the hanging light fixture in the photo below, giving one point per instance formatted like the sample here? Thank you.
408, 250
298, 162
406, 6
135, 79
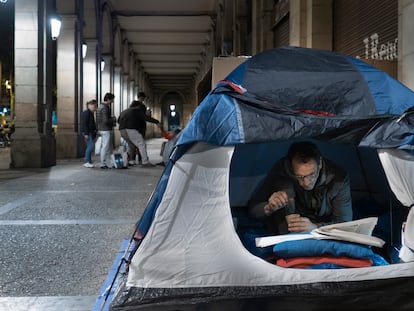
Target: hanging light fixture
55, 24
84, 49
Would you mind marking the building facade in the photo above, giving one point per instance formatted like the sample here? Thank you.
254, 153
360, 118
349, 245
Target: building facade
59, 76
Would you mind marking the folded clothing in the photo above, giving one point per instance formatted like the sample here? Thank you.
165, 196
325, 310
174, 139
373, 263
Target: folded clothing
338, 261
326, 248
313, 247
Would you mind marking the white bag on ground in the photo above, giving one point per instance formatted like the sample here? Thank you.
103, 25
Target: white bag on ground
98, 144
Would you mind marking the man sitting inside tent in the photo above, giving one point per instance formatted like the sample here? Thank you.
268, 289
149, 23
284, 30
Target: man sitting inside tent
319, 189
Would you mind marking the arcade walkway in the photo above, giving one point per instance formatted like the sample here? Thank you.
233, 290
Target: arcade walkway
61, 228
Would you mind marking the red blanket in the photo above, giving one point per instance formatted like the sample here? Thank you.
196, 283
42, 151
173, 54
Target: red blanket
303, 262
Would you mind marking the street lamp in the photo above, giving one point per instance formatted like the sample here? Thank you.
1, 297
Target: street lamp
84, 49
55, 24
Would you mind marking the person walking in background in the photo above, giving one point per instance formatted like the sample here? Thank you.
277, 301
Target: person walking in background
88, 129
105, 122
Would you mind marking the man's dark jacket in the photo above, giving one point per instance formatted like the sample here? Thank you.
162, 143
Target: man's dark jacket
104, 121
135, 118
88, 126
328, 202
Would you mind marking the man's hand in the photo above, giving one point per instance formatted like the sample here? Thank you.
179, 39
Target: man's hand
86, 137
276, 201
296, 223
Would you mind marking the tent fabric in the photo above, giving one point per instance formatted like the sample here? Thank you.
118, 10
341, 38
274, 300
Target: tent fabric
389, 94
193, 243
302, 78
366, 106
388, 294
187, 247
243, 123
400, 172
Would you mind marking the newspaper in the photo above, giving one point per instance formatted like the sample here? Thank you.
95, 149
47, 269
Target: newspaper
356, 231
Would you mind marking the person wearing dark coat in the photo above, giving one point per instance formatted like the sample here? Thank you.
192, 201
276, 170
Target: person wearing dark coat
303, 191
132, 126
88, 129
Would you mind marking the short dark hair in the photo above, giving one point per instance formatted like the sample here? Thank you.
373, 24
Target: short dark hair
108, 96
303, 152
141, 94
135, 103
91, 102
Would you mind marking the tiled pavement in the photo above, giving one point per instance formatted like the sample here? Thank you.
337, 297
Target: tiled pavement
61, 227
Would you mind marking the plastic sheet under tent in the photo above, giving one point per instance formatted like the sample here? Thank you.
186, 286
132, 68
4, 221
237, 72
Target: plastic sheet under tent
187, 252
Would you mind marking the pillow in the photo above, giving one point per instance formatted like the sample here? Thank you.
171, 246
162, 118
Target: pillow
313, 247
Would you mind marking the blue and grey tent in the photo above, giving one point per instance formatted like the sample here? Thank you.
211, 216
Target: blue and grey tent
188, 251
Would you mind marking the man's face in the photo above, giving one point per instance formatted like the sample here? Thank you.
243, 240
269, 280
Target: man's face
306, 173
92, 107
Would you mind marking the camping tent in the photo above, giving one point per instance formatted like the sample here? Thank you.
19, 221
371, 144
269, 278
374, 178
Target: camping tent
188, 251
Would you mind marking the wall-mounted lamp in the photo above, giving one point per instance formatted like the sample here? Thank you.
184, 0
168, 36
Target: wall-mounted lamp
55, 24
84, 49
102, 65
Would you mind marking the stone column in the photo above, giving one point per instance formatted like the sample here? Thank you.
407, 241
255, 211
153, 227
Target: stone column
106, 75
405, 42
255, 35
125, 89
297, 22
33, 142
90, 87
320, 24
131, 91
68, 143
119, 103
311, 23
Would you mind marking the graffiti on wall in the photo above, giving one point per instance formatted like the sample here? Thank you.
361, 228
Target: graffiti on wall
383, 51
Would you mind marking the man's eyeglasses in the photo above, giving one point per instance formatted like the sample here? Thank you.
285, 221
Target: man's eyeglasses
309, 177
